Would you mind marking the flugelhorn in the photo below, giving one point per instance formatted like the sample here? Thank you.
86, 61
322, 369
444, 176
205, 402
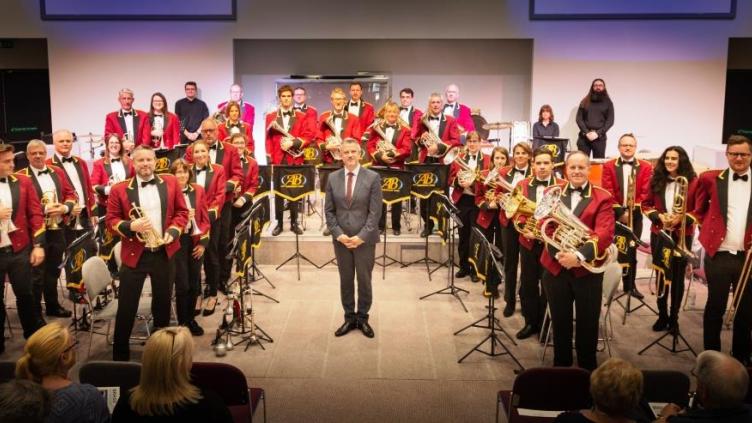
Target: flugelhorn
286, 138
49, 198
151, 238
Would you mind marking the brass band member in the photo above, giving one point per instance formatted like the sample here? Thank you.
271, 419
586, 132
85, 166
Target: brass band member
334, 126
463, 183
391, 152
58, 199
126, 120
160, 129
149, 213
488, 214
411, 115
721, 208
359, 107
299, 98
193, 242
234, 125
244, 193
664, 188
616, 177
565, 281
435, 135
532, 297
519, 170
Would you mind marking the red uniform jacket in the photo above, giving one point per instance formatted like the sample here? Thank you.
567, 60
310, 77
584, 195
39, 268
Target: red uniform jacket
486, 214
595, 209
401, 142
311, 114
226, 129
215, 195
114, 123
529, 189
710, 210
613, 182
299, 128
27, 213
414, 118
174, 215
250, 181
653, 205
366, 114
229, 158
247, 113
83, 175
448, 132
171, 136
483, 164
63, 189
464, 117
197, 196
350, 129
101, 171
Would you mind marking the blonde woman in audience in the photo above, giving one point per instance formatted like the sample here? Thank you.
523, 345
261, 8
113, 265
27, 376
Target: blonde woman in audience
165, 392
48, 357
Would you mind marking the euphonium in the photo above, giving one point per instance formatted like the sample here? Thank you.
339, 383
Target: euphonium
286, 137
49, 198
466, 173
150, 238
384, 146
334, 141
432, 139
567, 232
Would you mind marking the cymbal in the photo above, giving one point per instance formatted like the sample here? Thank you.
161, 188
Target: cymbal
497, 125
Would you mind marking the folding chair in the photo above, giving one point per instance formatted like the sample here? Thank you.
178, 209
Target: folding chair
7, 371
611, 279
122, 374
230, 384
666, 386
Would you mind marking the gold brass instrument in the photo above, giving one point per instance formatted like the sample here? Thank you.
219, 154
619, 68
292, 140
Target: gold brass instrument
286, 137
77, 226
334, 141
219, 116
384, 146
514, 204
466, 174
6, 225
150, 238
49, 198
568, 232
678, 208
741, 286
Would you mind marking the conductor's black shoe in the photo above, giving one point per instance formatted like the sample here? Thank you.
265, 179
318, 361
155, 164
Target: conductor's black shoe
474, 278
509, 310
396, 232
277, 230
295, 228
637, 294
58, 312
366, 328
346, 327
461, 273
195, 329
661, 324
526, 332
425, 232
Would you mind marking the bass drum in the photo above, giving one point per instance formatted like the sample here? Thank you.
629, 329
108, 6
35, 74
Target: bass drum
479, 121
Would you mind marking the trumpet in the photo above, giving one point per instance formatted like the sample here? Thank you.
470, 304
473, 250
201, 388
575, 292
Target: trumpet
568, 232
151, 238
49, 198
334, 141
286, 137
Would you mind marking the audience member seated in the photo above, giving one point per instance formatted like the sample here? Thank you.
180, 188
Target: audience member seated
616, 388
48, 356
165, 393
23, 401
722, 384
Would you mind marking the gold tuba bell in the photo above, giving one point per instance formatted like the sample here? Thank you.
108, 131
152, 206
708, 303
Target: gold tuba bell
49, 198
286, 137
466, 173
150, 238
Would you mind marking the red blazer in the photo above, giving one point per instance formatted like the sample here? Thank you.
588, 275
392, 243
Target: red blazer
311, 114
464, 117
114, 123
225, 130
454, 169
401, 141
448, 132
171, 132
613, 182
710, 210
197, 196
229, 158
101, 171
247, 115
414, 118
300, 128
366, 114
486, 214
27, 213
174, 215
63, 189
508, 175
250, 178
526, 186
596, 211
83, 175
215, 195
350, 129
653, 205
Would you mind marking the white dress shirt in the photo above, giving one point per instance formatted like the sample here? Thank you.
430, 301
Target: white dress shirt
129, 123
626, 171
736, 213
286, 119
70, 169
187, 198
150, 203
354, 109
518, 176
201, 176
405, 115
6, 200
668, 196
355, 178
433, 125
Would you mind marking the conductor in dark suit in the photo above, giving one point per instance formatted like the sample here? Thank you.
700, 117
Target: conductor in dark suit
353, 210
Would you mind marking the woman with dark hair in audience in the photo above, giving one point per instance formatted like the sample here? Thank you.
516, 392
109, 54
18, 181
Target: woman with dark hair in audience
23, 401
161, 128
488, 214
165, 392
545, 127
673, 163
234, 125
48, 356
616, 389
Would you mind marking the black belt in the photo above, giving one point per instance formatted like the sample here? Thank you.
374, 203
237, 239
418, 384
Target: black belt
154, 250
738, 253
6, 250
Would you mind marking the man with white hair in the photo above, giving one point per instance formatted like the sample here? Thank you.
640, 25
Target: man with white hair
125, 121
460, 112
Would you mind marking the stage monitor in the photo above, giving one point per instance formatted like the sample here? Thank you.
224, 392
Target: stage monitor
82, 10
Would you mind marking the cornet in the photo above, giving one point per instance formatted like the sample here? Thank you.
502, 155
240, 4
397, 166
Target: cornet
77, 224
286, 137
150, 238
49, 198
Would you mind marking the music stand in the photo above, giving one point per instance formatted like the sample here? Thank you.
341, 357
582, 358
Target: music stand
453, 223
388, 198
297, 256
324, 172
247, 220
492, 323
632, 251
77, 323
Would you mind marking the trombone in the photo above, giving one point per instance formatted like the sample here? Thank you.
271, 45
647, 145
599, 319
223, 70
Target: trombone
741, 286
678, 208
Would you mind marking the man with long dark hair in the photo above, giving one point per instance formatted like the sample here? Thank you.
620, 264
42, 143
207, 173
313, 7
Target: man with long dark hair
595, 117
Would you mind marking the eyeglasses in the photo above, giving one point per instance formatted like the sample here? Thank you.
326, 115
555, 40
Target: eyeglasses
71, 346
738, 155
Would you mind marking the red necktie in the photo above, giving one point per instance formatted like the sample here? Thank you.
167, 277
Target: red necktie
348, 196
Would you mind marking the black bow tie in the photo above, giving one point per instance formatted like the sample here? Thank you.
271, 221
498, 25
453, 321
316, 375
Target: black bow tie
573, 189
213, 146
394, 126
624, 162
340, 116
114, 160
127, 113
67, 159
433, 118
200, 170
404, 108
287, 113
354, 104
742, 177
185, 191
520, 171
152, 181
42, 172
4, 180
537, 182
298, 107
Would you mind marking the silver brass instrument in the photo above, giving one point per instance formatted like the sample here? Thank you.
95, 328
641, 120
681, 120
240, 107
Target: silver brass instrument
219, 116
568, 232
466, 174
286, 137
150, 238
77, 226
6, 225
334, 141
384, 146
429, 139
741, 286
49, 198
194, 226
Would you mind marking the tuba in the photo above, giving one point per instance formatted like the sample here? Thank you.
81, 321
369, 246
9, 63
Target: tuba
150, 238
286, 137
334, 141
49, 198
568, 232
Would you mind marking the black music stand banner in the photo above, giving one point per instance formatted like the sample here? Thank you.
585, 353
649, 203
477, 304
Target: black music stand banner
324, 172
439, 214
395, 184
265, 181
428, 178
165, 158
293, 182
557, 147
108, 239
479, 255
78, 254
260, 216
663, 256
625, 246
312, 155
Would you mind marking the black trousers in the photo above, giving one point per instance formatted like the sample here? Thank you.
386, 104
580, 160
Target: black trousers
187, 280
676, 292
279, 204
532, 295
396, 214
44, 278
212, 268
225, 239
722, 271
585, 292
598, 147
468, 214
493, 235
510, 238
425, 208
630, 273
351, 263
162, 272
17, 267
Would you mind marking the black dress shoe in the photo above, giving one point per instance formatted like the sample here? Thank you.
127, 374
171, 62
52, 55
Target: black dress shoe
346, 327
296, 229
461, 273
277, 230
526, 332
327, 232
58, 312
366, 328
195, 329
509, 310
661, 324
396, 232
474, 278
425, 232
637, 294
673, 327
